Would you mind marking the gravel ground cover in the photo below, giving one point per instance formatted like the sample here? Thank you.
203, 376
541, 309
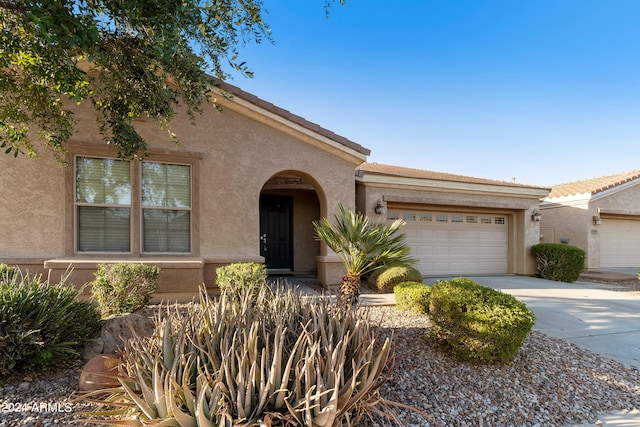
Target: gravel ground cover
549, 383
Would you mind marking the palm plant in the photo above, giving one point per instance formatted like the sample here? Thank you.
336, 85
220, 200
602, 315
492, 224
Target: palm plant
363, 246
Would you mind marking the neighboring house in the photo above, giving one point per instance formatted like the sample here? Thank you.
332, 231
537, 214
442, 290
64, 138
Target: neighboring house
456, 225
243, 185
600, 216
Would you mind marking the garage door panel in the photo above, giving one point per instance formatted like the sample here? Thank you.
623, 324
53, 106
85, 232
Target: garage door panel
473, 244
423, 251
471, 235
619, 243
425, 234
456, 235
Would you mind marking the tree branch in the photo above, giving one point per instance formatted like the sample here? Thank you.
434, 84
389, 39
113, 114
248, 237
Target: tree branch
12, 6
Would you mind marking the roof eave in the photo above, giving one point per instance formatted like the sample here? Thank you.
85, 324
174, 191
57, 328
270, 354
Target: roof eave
445, 185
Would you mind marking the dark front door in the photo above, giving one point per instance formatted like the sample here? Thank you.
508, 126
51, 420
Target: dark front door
275, 231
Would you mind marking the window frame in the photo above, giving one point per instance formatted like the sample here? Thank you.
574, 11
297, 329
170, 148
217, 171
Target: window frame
161, 208
77, 205
191, 159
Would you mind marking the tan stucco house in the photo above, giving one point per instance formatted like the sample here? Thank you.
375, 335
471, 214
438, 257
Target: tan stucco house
599, 215
245, 185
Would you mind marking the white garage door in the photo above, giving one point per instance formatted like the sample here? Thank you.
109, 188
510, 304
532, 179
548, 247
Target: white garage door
452, 243
619, 243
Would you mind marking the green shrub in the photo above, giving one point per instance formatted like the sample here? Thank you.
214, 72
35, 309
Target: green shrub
41, 323
274, 358
388, 278
478, 323
242, 275
412, 296
555, 261
124, 287
7, 272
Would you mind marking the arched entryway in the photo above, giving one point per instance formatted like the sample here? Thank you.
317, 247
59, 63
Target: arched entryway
289, 203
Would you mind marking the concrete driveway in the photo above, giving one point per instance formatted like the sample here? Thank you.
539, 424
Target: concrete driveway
605, 322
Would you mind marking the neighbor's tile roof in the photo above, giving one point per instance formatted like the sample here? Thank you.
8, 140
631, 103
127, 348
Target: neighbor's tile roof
382, 169
236, 91
593, 185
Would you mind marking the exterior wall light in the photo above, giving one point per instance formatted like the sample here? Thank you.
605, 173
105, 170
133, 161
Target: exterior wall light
380, 208
596, 219
536, 215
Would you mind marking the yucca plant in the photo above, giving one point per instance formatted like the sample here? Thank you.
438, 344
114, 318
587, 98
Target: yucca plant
363, 246
272, 360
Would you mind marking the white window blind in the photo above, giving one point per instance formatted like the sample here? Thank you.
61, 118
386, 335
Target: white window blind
166, 207
103, 203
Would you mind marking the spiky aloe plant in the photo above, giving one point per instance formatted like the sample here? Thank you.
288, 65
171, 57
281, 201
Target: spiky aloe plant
276, 359
363, 246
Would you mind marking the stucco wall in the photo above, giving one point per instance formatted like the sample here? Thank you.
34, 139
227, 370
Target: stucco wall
568, 222
31, 207
234, 156
625, 201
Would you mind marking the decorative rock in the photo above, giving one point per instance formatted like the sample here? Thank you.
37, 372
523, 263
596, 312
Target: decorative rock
115, 331
100, 373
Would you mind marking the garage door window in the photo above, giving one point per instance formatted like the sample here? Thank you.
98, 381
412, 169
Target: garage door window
442, 218
409, 216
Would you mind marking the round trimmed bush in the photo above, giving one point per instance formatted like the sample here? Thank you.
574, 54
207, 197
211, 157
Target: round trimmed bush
412, 296
476, 322
388, 278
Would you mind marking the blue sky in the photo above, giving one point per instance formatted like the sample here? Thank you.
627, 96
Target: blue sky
543, 91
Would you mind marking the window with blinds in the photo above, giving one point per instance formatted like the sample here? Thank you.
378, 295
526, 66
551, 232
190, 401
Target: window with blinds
103, 203
166, 207
104, 206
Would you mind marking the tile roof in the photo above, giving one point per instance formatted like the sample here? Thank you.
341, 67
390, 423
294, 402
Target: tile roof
403, 172
236, 91
593, 185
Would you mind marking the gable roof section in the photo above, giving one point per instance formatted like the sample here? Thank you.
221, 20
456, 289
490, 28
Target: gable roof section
382, 174
593, 186
285, 114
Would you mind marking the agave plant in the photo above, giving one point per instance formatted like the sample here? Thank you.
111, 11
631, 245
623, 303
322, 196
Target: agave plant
363, 246
274, 360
